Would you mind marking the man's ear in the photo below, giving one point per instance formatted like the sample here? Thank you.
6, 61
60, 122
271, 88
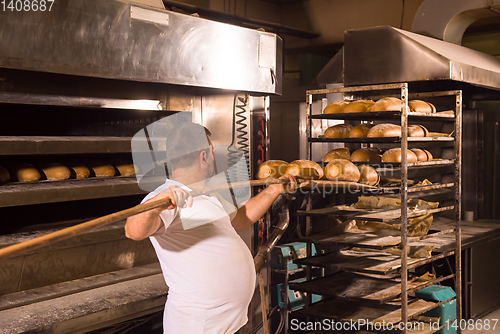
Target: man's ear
203, 159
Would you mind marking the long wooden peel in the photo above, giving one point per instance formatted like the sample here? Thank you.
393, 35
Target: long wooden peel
24, 247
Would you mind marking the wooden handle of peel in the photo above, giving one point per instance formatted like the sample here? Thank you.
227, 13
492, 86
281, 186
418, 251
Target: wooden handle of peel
27, 246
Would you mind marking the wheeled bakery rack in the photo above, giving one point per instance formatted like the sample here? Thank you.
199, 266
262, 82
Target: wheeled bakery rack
384, 289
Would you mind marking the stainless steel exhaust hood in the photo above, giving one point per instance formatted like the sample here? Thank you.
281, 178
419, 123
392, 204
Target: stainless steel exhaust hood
386, 55
117, 40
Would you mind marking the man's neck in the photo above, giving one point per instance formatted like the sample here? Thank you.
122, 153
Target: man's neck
189, 178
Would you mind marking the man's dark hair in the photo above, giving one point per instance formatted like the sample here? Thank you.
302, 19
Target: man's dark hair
185, 141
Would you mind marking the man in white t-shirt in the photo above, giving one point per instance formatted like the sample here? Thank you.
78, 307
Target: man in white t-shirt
208, 268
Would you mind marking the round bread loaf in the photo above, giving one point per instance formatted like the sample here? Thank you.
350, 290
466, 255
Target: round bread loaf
335, 107
385, 130
125, 169
417, 131
24, 173
338, 131
371, 154
4, 175
429, 155
101, 169
54, 171
342, 170
359, 106
78, 170
421, 155
271, 169
305, 169
394, 155
387, 104
368, 175
338, 153
421, 106
360, 131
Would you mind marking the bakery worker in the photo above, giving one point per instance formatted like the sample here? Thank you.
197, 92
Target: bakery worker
207, 266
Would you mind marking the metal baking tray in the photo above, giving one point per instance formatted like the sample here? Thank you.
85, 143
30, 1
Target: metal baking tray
357, 287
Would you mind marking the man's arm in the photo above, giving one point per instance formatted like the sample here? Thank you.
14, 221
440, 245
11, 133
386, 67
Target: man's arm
145, 224
257, 206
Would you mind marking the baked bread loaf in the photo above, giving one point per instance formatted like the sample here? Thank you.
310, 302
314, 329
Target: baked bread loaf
305, 169
100, 169
359, 106
417, 131
78, 170
338, 153
271, 169
368, 175
338, 131
422, 155
336, 107
24, 172
342, 170
385, 130
371, 154
4, 175
359, 131
123, 167
387, 104
421, 106
394, 155
54, 171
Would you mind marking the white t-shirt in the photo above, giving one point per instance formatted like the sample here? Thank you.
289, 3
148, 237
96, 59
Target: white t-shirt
209, 269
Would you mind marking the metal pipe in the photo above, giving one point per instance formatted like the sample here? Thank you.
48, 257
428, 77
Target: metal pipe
404, 206
275, 236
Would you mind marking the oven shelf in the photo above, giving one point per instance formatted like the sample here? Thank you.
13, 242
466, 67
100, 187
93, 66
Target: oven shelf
22, 145
358, 287
370, 240
385, 115
369, 262
343, 310
378, 215
16, 194
380, 140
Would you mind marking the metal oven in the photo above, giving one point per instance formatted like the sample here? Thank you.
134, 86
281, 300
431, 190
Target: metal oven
76, 84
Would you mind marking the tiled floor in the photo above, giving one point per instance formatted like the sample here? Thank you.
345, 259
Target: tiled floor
491, 316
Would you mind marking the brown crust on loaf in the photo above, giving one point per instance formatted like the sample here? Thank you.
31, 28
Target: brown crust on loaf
387, 104
54, 171
385, 130
421, 106
4, 175
338, 131
371, 154
271, 169
394, 155
338, 153
368, 175
305, 169
359, 106
78, 170
336, 107
100, 169
24, 172
125, 169
417, 131
421, 155
342, 170
360, 131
